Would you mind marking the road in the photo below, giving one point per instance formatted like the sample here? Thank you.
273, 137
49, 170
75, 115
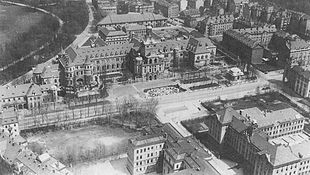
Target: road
206, 95
103, 110
82, 37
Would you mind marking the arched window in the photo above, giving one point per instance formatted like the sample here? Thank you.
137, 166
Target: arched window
155, 60
150, 61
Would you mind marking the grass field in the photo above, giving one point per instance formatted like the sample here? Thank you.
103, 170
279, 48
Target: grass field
85, 140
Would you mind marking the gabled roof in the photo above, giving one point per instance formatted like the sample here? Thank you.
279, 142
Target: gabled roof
94, 40
199, 45
84, 55
108, 32
190, 12
225, 115
148, 140
130, 18
14, 91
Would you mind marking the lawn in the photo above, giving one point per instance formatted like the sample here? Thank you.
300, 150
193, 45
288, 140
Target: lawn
84, 144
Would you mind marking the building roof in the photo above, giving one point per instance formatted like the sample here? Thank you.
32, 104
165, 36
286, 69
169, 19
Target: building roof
190, 12
148, 140
190, 151
130, 18
134, 27
219, 19
243, 39
8, 121
296, 43
258, 30
81, 56
225, 115
267, 118
165, 3
94, 40
279, 151
167, 45
19, 90
47, 71
199, 45
110, 33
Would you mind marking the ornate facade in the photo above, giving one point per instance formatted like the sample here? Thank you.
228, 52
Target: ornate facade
82, 67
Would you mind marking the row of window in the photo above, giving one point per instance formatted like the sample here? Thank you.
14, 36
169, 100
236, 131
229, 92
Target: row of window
144, 162
284, 130
149, 148
283, 125
77, 67
305, 167
14, 99
116, 53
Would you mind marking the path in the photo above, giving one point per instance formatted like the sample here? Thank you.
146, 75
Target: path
82, 37
44, 45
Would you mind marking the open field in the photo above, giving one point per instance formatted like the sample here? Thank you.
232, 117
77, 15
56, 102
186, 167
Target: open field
84, 142
15, 20
104, 167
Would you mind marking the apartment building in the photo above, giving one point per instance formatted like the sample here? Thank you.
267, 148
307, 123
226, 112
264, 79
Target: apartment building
26, 96
141, 7
299, 23
252, 51
298, 79
195, 4
177, 154
291, 50
261, 34
216, 25
167, 9
144, 153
